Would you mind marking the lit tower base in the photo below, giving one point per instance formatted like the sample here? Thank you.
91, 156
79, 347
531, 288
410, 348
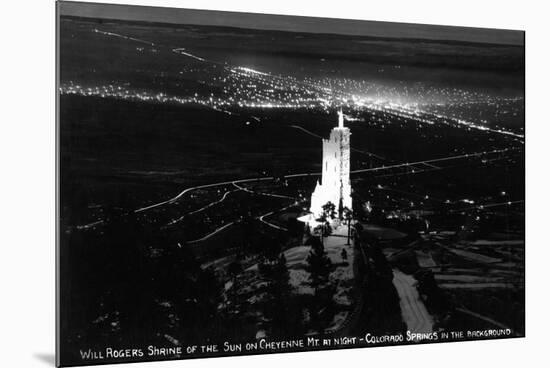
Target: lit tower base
335, 186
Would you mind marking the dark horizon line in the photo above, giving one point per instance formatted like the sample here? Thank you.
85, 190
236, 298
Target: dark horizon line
289, 23
362, 37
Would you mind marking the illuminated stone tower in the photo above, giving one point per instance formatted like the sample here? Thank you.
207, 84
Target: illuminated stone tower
335, 184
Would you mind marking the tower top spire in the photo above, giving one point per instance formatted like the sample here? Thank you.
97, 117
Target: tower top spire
340, 119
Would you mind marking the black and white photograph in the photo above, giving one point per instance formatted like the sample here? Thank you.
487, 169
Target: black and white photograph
267, 184
234, 183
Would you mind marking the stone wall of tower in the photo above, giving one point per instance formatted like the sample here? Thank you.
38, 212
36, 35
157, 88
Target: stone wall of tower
343, 180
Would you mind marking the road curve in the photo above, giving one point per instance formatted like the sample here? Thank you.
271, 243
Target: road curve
266, 178
261, 218
213, 203
211, 234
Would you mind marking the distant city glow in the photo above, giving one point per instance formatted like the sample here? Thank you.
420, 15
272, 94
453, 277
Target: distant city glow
246, 87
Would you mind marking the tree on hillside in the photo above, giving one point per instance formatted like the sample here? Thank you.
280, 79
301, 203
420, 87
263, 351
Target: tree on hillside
324, 229
329, 210
319, 264
270, 250
348, 216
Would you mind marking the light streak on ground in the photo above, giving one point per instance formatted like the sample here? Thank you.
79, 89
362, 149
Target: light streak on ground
211, 234
480, 127
239, 188
416, 170
211, 204
180, 51
262, 193
488, 205
442, 159
250, 70
90, 225
185, 191
268, 178
124, 37
259, 179
261, 218
426, 117
277, 227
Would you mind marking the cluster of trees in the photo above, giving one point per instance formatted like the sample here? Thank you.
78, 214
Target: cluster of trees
281, 314
319, 263
129, 281
328, 215
324, 228
278, 307
319, 266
